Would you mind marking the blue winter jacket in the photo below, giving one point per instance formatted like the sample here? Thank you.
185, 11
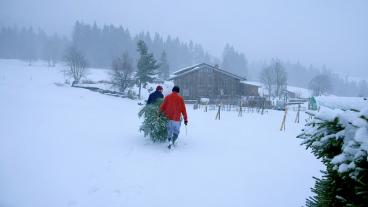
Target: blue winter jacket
154, 96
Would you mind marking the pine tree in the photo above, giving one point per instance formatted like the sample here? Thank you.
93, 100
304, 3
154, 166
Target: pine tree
320, 84
234, 61
154, 124
329, 190
147, 66
164, 66
327, 140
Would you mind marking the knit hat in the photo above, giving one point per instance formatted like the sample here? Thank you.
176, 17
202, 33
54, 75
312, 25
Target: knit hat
159, 88
176, 89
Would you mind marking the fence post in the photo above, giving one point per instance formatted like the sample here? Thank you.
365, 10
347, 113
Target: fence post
240, 109
284, 120
297, 114
218, 112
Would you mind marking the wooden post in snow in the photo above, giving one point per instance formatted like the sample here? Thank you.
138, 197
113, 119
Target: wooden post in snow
297, 114
284, 120
240, 109
218, 112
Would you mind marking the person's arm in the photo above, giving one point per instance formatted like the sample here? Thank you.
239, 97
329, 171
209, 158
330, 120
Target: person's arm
184, 111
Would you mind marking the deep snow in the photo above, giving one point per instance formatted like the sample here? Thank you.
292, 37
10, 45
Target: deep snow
63, 146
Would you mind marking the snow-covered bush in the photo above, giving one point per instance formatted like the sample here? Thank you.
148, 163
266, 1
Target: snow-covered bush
154, 123
340, 139
204, 100
132, 94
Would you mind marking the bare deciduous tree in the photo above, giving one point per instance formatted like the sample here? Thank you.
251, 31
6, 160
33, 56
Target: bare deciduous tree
320, 84
274, 77
76, 64
267, 78
122, 70
280, 78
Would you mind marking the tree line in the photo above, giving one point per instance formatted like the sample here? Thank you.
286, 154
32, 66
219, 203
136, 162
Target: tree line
122, 75
101, 45
29, 44
321, 81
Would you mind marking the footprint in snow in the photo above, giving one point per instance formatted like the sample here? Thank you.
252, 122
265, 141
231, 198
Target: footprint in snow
117, 192
93, 189
108, 166
72, 203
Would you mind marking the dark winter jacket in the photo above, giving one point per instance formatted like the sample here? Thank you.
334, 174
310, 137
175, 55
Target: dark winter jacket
154, 96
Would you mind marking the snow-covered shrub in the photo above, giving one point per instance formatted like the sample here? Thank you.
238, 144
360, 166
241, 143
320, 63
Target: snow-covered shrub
132, 94
340, 139
204, 100
154, 123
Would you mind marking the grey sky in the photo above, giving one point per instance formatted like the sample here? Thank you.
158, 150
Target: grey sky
331, 32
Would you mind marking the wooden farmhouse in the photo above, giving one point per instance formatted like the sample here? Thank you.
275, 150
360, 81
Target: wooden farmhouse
207, 81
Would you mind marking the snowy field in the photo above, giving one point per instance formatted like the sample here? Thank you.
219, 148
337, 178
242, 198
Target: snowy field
63, 146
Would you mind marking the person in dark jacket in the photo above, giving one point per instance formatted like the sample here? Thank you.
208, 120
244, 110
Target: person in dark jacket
155, 95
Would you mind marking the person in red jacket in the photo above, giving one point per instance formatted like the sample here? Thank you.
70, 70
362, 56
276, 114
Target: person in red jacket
173, 107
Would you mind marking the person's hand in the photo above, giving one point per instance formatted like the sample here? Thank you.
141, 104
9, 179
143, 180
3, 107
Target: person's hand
186, 122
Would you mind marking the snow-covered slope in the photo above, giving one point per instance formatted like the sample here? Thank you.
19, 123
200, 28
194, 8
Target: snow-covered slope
299, 92
63, 146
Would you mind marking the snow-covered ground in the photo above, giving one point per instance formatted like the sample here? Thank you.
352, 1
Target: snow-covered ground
343, 103
63, 146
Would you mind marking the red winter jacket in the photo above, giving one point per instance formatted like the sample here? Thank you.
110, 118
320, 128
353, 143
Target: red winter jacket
173, 106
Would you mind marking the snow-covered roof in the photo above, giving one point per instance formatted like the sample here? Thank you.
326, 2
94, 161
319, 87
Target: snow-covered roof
300, 92
196, 67
252, 83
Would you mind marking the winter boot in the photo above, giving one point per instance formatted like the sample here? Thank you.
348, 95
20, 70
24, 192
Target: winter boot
170, 143
175, 137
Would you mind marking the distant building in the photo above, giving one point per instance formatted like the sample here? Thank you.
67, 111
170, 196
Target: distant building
207, 81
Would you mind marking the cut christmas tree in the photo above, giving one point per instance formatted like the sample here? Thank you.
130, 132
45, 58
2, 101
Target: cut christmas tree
154, 123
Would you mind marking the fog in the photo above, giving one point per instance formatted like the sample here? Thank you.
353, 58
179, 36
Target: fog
332, 33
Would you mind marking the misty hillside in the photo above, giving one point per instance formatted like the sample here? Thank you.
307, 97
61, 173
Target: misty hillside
101, 45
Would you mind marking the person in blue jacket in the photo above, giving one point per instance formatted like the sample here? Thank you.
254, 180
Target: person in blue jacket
155, 95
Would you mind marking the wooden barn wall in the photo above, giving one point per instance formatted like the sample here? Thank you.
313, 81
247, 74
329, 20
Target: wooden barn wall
250, 90
209, 83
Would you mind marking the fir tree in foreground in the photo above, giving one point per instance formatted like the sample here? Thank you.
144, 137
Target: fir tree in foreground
340, 139
154, 123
